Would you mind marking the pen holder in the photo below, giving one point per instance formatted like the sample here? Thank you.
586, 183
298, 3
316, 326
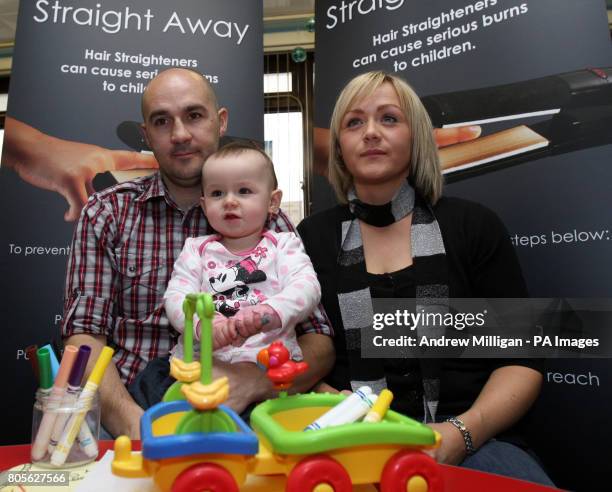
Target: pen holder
65, 429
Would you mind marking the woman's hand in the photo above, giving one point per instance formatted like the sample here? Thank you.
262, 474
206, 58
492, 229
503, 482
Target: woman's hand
452, 448
504, 399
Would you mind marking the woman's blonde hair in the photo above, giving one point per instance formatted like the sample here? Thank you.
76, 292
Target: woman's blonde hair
424, 175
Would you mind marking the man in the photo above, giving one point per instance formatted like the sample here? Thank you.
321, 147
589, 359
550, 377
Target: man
125, 244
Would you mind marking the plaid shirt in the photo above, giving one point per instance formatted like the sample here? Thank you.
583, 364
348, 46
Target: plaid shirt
122, 255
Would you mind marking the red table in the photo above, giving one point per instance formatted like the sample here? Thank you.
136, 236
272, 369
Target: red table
456, 479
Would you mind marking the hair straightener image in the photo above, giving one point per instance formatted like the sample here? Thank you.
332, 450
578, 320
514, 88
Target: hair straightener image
569, 111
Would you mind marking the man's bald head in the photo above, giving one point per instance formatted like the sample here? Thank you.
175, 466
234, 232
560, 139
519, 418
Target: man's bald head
167, 77
182, 124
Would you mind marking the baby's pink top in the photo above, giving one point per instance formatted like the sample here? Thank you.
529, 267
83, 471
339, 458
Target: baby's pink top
276, 272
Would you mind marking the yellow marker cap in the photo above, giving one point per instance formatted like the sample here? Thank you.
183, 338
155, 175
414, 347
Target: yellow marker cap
101, 364
380, 407
383, 402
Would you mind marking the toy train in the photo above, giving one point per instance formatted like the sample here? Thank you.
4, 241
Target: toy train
192, 442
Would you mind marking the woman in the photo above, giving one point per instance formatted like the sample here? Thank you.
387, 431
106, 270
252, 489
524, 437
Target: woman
394, 235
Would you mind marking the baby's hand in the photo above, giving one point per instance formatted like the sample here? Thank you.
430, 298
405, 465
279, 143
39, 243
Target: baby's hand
224, 331
250, 320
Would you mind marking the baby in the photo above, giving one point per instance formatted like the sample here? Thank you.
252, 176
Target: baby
262, 282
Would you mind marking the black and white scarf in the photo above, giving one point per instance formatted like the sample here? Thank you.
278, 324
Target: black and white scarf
354, 297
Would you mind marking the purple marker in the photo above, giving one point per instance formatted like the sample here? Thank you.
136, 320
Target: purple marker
70, 398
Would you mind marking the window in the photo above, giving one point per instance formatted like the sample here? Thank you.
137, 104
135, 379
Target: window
284, 143
277, 82
287, 128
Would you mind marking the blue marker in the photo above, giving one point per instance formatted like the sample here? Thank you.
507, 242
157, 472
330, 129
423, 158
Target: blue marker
53, 358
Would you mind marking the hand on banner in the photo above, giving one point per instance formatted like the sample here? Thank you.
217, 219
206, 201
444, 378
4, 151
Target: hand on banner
443, 136
63, 166
451, 136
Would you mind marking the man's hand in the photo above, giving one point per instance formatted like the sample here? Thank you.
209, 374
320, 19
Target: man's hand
249, 384
120, 413
63, 166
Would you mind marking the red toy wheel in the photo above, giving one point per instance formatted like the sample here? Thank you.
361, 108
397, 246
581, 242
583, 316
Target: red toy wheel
411, 471
205, 477
318, 470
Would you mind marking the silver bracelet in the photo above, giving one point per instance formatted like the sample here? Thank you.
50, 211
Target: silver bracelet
467, 437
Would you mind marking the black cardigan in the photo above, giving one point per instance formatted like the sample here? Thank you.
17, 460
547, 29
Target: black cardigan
481, 263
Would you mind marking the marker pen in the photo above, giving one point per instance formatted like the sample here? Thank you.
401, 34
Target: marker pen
33, 359
379, 409
351, 409
51, 404
45, 380
44, 370
71, 394
53, 359
84, 403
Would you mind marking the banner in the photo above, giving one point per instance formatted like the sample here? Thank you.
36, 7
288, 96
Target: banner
79, 70
536, 77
